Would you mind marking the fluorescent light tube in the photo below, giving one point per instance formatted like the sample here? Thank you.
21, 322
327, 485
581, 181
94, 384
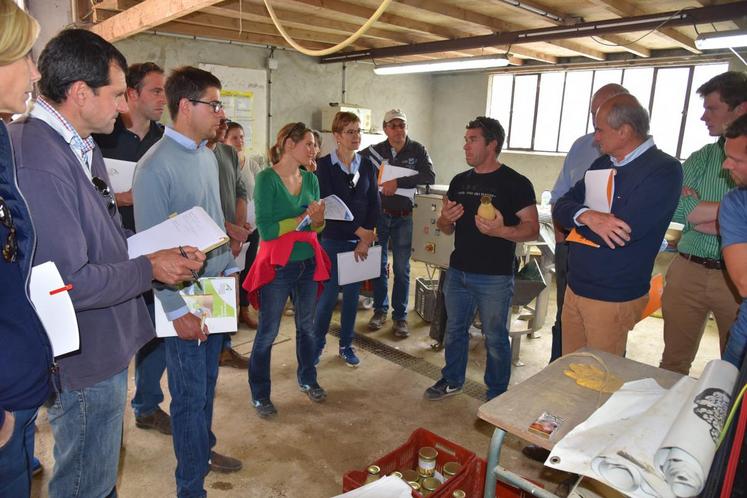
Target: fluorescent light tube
442, 65
722, 39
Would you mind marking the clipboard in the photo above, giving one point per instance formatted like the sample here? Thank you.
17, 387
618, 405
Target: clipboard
349, 270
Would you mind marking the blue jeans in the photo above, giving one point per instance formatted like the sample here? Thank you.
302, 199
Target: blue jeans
16, 455
87, 429
736, 346
295, 279
399, 229
328, 300
491, 295
192, 373
150, 363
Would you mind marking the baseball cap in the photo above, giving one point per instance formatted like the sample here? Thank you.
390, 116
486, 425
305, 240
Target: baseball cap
395, 114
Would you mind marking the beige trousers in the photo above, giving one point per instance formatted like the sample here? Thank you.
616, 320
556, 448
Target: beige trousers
690, 292
600, 325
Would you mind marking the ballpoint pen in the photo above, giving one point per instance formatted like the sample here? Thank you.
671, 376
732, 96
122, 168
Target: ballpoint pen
194, 273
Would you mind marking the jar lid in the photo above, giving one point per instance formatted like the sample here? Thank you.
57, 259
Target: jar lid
373, 469
451, 468
430, 483
428, 453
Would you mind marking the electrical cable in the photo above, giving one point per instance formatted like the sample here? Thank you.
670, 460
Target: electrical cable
730, 418
331, 50
637, 39
736, 449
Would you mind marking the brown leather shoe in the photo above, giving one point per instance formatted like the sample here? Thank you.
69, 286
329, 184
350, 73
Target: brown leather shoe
222, 463
158, 420
230, 358
246, 317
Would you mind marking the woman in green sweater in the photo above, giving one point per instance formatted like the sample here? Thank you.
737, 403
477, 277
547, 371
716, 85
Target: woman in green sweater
283, 196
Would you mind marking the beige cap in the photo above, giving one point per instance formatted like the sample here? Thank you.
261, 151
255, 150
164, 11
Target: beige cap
395, 114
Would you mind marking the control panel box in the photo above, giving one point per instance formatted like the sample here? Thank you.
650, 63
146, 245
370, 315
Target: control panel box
429, 244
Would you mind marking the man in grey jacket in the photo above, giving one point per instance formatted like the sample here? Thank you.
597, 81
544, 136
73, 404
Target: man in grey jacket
62, 175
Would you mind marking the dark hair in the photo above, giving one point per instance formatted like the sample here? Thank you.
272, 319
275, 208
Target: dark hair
76, 55
292, 131
136, 73
491, 130
342, 119
737, 128
731, 87
232, 125
187, 82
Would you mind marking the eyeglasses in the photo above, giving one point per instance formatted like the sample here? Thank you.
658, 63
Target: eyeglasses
352, 132
10, 246
103, 189
217, 105
394, 126
353, 180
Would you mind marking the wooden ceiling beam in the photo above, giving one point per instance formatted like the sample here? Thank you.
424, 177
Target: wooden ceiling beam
233, 24
257, 13
557, 18
623, 8
219, 34
439, 32
147, 15
487, 24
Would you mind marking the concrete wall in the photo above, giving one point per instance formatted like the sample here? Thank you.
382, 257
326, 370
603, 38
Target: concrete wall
300, 86
459, 98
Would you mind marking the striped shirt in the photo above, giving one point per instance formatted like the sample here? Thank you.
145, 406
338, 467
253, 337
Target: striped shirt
704, 174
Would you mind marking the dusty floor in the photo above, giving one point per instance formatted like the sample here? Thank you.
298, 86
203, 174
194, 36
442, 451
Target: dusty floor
370, 410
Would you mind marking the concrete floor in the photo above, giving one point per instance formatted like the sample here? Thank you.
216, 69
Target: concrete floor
370, 410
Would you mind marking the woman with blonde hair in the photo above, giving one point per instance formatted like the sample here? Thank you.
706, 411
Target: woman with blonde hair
290, 261
25, 355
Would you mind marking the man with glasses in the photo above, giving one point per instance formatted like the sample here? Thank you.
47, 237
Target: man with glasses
62, 175
481, 268
395, 222
177, 174
135, 131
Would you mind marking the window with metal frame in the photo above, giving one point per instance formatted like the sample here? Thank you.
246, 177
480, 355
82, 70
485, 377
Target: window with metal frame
547, 112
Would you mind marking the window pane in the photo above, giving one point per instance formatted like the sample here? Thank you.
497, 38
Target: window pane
666, 113
500, 98
696, 134
575, 108
638, 82
602, 78
522, 112
548, 112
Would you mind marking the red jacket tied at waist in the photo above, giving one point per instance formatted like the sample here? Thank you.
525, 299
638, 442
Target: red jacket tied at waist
276, 252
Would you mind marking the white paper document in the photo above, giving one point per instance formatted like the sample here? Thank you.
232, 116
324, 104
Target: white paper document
193, 227
54, 308
217, 304
334, 209
349, 270
388, 172
121, 174
386, 487
600, 189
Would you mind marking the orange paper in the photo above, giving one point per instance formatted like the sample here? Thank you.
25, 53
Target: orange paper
576, 237
655, 292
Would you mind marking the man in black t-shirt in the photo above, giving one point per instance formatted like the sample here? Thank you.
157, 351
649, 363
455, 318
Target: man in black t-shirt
480, 274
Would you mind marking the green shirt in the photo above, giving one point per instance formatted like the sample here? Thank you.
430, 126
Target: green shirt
704, 174
277, 209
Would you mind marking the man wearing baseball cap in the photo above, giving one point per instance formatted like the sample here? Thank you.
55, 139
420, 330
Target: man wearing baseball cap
395, 222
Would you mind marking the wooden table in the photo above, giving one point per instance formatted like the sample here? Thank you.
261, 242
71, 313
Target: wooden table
553, 392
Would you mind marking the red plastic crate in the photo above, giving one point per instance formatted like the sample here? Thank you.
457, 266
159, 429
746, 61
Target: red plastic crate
406, 457
472, 482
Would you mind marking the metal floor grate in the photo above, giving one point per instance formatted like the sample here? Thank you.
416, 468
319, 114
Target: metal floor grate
418, 365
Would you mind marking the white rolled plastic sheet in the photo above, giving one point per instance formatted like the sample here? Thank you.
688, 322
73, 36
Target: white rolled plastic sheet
646, 441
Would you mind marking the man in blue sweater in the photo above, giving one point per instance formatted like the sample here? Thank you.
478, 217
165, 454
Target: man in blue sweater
609, 274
